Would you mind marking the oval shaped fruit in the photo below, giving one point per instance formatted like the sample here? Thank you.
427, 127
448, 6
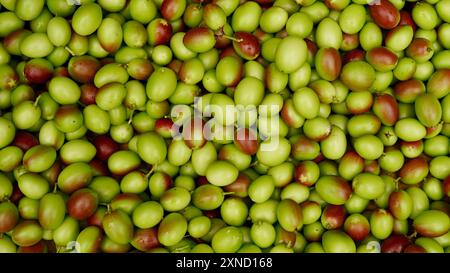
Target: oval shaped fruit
118, 226
368, 186
333, 189
52, 209
172, 229
432, 223
428, 110
290, 54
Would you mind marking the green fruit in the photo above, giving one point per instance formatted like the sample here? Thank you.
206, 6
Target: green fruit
337, 242
118, 227
87, 19
172, 229
227, 240
432, 223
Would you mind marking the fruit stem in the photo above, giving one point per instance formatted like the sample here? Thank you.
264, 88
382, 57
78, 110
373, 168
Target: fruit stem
413, 235
70, 50
232, 38
131, 116
147, 175
37, 101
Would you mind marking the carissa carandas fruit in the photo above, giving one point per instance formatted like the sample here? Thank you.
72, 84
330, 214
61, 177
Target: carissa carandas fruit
224, 126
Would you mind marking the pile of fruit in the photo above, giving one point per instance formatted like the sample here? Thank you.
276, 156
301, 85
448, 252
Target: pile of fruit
224, 126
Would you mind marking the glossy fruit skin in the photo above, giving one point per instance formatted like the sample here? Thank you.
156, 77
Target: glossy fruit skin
333, 189
400, 204
386, 108
118, 227
432, 223
87, 19
357, 75
381, 223
337, 242
172, 229
357, 227
9, 216
428, 110
385, 14
82, 204
27, 233
52, 210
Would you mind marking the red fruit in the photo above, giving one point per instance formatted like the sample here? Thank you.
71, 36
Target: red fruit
246, 140
385, 107
212, 213
9, 216
384, 14
353, 55
38, 71
12, 41
304, 146
398, 202
99, 167
328, 63
439, 83
164, 127
240, 186
228, 52
414, 170
202, 181
319, 158
61, 72
290, 115
16, 194
420, 49
414, 249
312, 48
406, 19
175, 65
303, 175
82, 204
88, 93
53, 172
407, 91
105, 147
264, 2
140, 69
395, 244
97, 218
40, 247
446, 186
159, 31
357, 227
83, 68
246, 45
222, 39
24, 140
382, 59
145, 239
333, 216
170, 9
